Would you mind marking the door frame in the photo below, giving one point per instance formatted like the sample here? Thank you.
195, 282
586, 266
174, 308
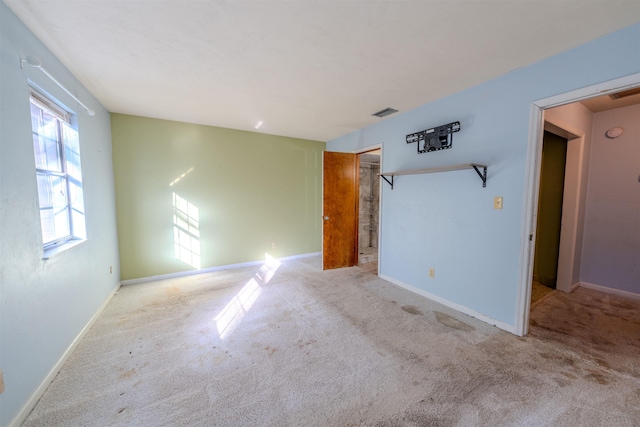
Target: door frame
532, 183
357, 153
379, 230
570, 200
569, 185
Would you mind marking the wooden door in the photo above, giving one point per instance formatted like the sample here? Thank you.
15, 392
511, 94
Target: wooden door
339, 231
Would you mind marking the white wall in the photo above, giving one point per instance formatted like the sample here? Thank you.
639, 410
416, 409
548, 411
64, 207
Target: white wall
44, 305
611, 249
446, 221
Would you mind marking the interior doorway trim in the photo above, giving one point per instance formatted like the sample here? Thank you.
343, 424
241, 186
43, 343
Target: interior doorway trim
574, 167
532, 182
369, 148
379, 231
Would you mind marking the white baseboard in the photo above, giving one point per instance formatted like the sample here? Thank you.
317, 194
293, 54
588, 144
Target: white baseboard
31, 402
210, 269
457, 307
609, 290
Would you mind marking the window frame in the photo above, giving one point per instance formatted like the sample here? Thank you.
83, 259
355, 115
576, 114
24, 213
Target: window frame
63, 118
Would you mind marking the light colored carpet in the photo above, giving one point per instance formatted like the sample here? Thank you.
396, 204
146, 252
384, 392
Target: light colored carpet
291, 345
540, 292
369, 267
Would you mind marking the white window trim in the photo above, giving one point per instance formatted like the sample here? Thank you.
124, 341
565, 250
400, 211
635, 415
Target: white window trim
56, 247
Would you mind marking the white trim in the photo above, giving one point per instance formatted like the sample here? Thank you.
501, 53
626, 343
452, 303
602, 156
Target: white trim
613, 291
571, 204
52, 251
611, 86
380, 187
210, 269
37, 394
370, 148
44, 103
532, 173
560, 128
453, 305
571, 210
531, 184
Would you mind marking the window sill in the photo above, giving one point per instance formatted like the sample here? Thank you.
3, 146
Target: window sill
53, 251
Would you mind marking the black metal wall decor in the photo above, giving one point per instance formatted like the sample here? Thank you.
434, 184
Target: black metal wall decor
437, 138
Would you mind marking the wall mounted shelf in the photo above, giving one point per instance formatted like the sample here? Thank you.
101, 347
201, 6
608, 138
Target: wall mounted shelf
475, 166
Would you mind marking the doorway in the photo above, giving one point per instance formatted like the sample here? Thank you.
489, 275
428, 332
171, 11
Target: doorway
344, 229
549, 223
566, 275
368, 210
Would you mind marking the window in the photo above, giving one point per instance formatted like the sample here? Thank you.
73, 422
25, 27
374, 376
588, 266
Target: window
57, 155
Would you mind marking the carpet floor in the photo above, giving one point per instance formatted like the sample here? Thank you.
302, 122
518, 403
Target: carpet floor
540, 293
291, 345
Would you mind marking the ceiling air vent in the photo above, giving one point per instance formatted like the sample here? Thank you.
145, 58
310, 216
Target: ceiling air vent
385, 112
625, 93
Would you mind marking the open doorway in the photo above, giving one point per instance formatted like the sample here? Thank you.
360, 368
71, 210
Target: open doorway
571, 247
351, 205
368, 210
549, 223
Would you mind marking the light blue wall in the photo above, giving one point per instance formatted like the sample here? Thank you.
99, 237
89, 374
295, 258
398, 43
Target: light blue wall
446, 221
45, 304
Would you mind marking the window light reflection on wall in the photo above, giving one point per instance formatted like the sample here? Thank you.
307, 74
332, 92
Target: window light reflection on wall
186, 231
175, 181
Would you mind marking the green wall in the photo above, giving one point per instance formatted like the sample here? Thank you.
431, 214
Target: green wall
190, 196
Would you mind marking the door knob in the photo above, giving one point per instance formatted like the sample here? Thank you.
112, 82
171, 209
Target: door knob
326, 218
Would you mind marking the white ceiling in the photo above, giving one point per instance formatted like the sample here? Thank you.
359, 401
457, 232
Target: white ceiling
307, 69
605, 102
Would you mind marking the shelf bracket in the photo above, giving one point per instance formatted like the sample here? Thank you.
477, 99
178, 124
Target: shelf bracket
389, 182
483, 175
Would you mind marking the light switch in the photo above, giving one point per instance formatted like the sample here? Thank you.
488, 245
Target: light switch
497, 202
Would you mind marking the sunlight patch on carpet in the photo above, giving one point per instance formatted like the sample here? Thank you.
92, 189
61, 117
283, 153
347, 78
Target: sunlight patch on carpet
241, 303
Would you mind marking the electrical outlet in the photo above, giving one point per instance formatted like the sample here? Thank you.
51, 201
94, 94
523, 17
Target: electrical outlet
497, 202
432, 273
1, 382
273, 245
